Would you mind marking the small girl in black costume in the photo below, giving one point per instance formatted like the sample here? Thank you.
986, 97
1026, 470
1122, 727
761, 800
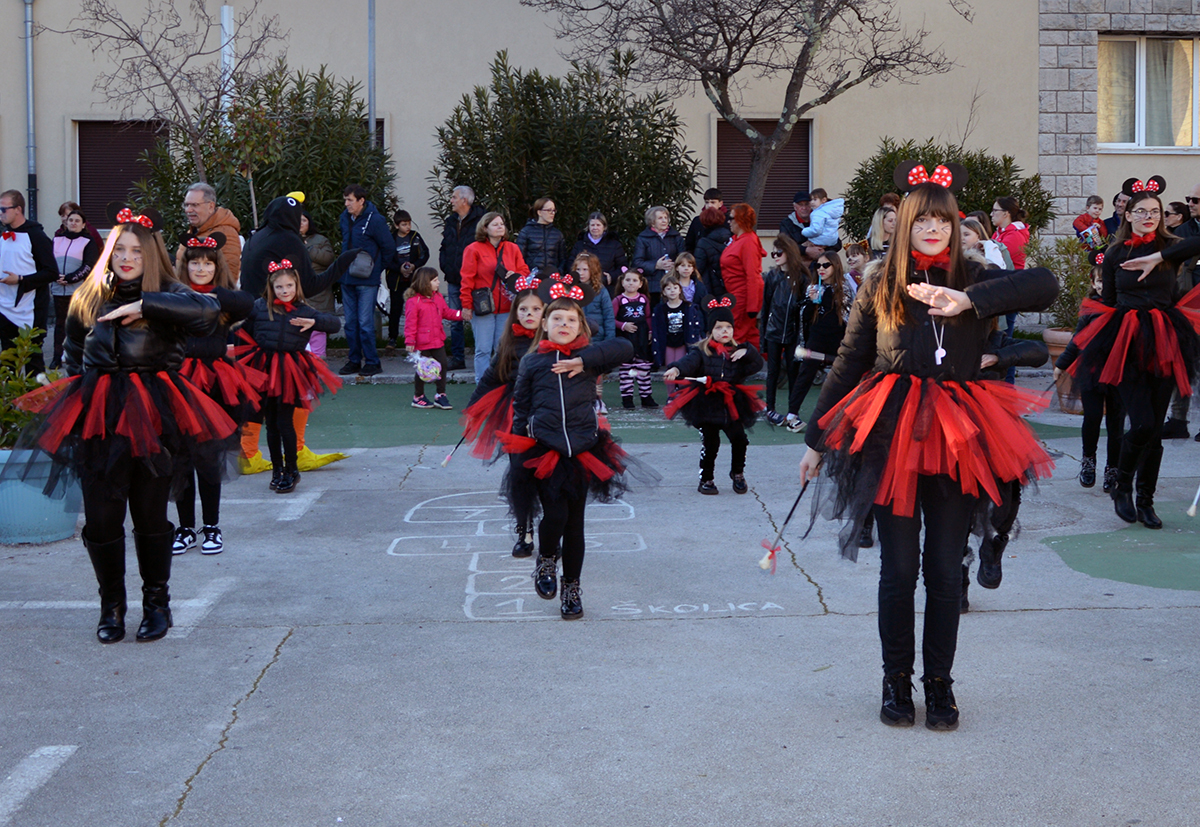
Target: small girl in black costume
279, 328
718, 401
561, 455
631, 313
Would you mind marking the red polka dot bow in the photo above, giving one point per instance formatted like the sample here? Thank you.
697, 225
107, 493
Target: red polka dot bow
1144, 186
559, 290
210, 242
126, 216
1099, 258
526, 283
722, 302
941, 175
279, 265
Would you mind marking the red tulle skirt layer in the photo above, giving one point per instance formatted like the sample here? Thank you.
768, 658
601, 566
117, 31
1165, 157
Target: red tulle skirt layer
487, 418
230, 384
1123, 343
894, 428
715, 403
297, 378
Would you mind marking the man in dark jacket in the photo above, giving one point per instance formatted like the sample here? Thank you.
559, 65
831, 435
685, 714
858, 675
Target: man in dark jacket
363, 228
458, 230
797, 219
27, 268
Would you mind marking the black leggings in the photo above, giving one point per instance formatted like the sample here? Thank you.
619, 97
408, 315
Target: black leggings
210, 500
395, 310
947, 518
779, 356
1146, 401
711, 446
809, 368
281, 432
562, 524
1103, 404
146, 502
61, 305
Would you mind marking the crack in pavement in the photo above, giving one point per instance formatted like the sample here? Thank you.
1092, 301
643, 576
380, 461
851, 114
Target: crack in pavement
792, 554
411, 468
224, 739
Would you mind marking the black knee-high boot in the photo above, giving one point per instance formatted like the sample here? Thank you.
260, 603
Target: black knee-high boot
108, 561
154, 563
1147, 484
1123, 494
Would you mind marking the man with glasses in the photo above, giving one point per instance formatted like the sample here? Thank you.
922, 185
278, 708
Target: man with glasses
1176, 426
204, 218
27, 267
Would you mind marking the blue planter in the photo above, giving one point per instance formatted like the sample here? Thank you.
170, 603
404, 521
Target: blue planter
29, 516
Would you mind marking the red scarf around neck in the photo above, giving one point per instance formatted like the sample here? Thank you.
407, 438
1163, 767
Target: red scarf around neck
924, 262
546, 346
521, 332
1139, 240
203, 288
288, 306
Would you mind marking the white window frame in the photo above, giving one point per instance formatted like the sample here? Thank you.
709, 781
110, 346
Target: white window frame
1139, 147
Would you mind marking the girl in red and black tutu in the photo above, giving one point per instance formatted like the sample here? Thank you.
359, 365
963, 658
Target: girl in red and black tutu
561, 455
278, 329
126, 419
906, 429
489, 412
207, 365
716, 399
1142, 341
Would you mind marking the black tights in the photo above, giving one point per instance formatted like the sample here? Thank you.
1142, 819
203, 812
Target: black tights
711, 446
809, 368
779, 357
1103, 403
562, 520
1146, 401
210, 500
281, 432
146, 502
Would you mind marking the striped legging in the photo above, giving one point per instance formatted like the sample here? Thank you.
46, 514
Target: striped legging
639, 368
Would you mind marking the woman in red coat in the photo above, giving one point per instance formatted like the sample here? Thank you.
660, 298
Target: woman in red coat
741, 268
487, 263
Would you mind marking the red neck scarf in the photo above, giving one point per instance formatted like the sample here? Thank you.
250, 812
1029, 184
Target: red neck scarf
717, 347
546, 346
1139, 240
521, 332
288, 306
203, 288
924, 262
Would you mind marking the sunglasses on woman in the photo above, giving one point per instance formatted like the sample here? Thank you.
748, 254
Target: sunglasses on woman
826, 266
777, 254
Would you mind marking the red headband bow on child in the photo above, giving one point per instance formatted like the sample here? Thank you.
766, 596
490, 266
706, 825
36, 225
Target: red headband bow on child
558, 291
941, 175
279, 265
210, 242
526, 283
126, 216
1145, 186
715, 303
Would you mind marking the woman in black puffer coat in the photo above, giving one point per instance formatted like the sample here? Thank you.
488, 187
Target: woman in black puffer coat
542, 245
714, 238
598, 240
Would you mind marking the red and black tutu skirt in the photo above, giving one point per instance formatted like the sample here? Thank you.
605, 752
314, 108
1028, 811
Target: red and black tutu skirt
1124, 343
232, 385
486, 418
294, 377
895, 428
715, 403
93, 425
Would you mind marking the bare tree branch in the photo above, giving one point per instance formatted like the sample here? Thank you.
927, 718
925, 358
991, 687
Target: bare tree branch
166, 65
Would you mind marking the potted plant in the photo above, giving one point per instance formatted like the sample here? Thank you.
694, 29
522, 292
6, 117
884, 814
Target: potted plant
1068, 260
27, 515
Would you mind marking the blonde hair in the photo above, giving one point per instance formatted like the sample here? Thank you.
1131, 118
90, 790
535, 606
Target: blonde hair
98, 288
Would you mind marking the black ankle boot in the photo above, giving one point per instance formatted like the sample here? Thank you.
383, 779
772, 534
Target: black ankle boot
991, 555
108, 561
524, 545
1147, 484
964, 605
545, 577
154, 563
898, 708
276, 475
941, 712
572, 600
1123, 504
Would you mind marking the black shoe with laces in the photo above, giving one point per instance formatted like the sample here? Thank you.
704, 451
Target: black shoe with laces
739, 483
572, 600
941, 712
184, 539
545, 577
524, 546
1087, 472
1110, 479
865, 537
707, 487
898, 708
350, 369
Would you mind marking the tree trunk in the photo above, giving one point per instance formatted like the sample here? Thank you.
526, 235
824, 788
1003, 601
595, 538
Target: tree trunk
762, 159
253, 203
197, 157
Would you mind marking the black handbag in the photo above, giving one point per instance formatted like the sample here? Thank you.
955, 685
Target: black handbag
481, 297
362, 266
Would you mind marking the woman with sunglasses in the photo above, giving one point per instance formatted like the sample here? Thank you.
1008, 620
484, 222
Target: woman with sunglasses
1142, 340
1175, 214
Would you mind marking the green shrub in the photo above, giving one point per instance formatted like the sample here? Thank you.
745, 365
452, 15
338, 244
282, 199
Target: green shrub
1068, 260
988, 178
16, 381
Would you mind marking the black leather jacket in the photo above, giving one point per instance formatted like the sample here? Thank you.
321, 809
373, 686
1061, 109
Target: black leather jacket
235, 306
155, 343
780, 319
279, 333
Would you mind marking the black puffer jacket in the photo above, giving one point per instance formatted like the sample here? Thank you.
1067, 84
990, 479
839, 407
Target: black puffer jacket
910, 348
711, 408
279, 238
279, 333
157, 343
1011, 352
611, 253
235, 306
649, 248
557, 410
456, 235
708, 258
780, 319
543, 246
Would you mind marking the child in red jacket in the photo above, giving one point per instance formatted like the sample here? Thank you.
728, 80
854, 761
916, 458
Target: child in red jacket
424, 310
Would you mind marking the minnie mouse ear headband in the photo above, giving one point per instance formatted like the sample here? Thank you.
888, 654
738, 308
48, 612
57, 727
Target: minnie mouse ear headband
565, 286
910, 174
516, 283
120, 214
282, 264
1096, 257
1155, 185
214, 242
719, 309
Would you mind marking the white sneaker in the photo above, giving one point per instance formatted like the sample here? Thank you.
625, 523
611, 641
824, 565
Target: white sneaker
796, 425
213, 544
185, 538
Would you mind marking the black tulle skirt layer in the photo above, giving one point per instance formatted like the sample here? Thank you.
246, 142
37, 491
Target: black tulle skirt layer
715, 403
232, 386
895, 428
1124, 343
95, 424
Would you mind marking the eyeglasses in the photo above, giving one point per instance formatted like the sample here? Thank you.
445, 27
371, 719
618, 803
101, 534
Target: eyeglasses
777, 254
826, 266
1142, 215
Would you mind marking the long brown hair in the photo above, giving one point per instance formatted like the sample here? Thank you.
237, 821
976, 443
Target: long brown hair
1163, 236
595, 274
99, 287
797, 272
838, 284
222, 278
510, 345
422, 283
892, 289
269, 290
561, 304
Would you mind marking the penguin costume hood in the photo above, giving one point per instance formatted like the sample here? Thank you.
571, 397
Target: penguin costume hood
279, 238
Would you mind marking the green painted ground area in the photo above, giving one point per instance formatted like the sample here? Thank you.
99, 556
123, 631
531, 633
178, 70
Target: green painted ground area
1166, 559
381, 416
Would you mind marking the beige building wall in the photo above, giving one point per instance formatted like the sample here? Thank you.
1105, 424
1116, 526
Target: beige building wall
429, 54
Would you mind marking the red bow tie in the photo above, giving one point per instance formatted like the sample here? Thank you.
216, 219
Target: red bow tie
924, 262
1139, 240
288, 306
546, 346
205, 288
8, 236
522, 332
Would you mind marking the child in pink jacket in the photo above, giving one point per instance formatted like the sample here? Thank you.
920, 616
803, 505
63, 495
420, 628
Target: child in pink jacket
424, 309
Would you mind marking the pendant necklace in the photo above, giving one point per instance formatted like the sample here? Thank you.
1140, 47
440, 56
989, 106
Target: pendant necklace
938, 336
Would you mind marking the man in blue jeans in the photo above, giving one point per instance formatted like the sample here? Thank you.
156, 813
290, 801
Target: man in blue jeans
458, 230
363, 228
